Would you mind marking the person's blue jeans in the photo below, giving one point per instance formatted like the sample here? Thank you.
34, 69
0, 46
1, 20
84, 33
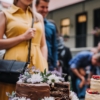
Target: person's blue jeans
80, 91
51, 68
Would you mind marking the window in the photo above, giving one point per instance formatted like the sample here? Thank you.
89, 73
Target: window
65, 27
81, 29
96, 24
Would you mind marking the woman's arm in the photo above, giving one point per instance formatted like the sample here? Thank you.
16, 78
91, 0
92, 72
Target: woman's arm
43, 42
9, 43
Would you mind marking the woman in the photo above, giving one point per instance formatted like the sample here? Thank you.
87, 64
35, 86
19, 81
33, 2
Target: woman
16, 24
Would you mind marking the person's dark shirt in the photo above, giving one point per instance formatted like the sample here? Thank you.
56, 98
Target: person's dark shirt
65, 58
82, 59
50, 33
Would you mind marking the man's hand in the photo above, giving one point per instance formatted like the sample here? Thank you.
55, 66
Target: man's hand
76, 72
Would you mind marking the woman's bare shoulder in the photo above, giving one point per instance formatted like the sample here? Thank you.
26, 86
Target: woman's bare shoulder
2, 16
2, 22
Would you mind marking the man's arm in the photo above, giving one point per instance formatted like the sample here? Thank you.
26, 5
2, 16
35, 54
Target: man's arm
75, 71
76, 62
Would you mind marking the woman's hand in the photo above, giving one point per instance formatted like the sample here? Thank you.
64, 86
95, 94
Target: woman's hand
29, 34
81, 84
83, 79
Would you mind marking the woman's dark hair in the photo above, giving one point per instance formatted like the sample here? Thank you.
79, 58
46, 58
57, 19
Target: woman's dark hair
15, 1
38, 1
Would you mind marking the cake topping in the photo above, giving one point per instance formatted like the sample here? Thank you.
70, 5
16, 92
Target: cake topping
35, 76
92, 91
96, 77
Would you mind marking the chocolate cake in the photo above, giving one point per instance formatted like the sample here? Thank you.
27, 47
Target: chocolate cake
35, 87
33, 91
60, 91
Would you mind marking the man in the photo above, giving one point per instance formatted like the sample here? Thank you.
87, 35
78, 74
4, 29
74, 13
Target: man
83, 59
50, 33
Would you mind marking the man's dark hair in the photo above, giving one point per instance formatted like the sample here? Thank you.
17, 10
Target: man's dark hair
97, 56
38, 1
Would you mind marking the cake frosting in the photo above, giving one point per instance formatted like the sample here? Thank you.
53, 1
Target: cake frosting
60, 91
92, 95
32, 91
95, 83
